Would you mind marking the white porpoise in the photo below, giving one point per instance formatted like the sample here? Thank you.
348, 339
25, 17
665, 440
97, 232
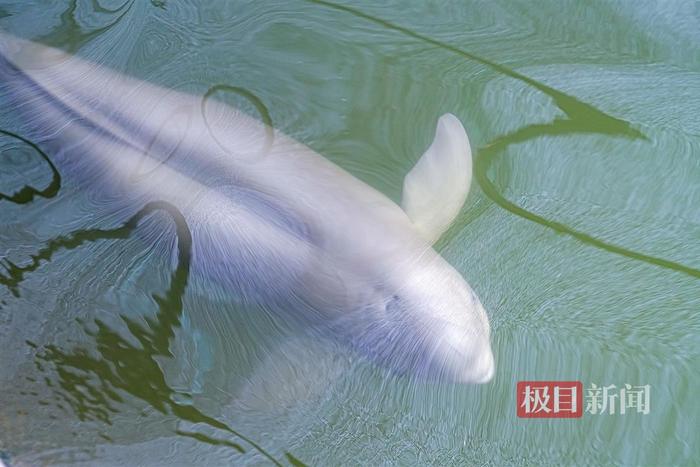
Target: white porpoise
272, 221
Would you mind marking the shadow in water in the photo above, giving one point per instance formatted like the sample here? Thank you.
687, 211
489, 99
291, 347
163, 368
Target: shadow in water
94, 381
558, 127
255, 101
92, 384
582, 118
70, 35
27, 193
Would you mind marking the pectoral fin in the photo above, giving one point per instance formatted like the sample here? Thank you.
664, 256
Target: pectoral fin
435, 189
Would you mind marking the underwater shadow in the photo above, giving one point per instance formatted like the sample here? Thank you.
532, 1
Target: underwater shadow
583, 118
92, 384
70, 35
557, 128
27, 193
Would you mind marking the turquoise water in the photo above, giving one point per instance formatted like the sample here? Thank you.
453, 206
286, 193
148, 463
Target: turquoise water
581, 237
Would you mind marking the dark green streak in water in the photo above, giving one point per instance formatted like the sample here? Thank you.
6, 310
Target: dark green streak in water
250, 97
71, 35
575, 109
27, 193
91, 385
215, 442
558, 127
294, 461
16, 274
583, 118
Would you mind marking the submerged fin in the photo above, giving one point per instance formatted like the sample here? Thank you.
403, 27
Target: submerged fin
435, 189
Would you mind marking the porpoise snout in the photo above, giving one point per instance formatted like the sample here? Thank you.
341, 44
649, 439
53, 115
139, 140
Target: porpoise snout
462, 356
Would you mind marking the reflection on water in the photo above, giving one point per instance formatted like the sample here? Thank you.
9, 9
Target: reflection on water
359, 81
71, 35
27, 193
262, 111
93, 385
563, 127
583, 118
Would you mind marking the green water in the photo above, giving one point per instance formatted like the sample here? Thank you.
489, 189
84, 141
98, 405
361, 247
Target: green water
581, 236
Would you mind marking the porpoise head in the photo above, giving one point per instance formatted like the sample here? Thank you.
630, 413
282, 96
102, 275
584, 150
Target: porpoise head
425, 322
422, 318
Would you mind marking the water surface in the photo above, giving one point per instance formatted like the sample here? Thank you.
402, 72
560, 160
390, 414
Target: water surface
581, 237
